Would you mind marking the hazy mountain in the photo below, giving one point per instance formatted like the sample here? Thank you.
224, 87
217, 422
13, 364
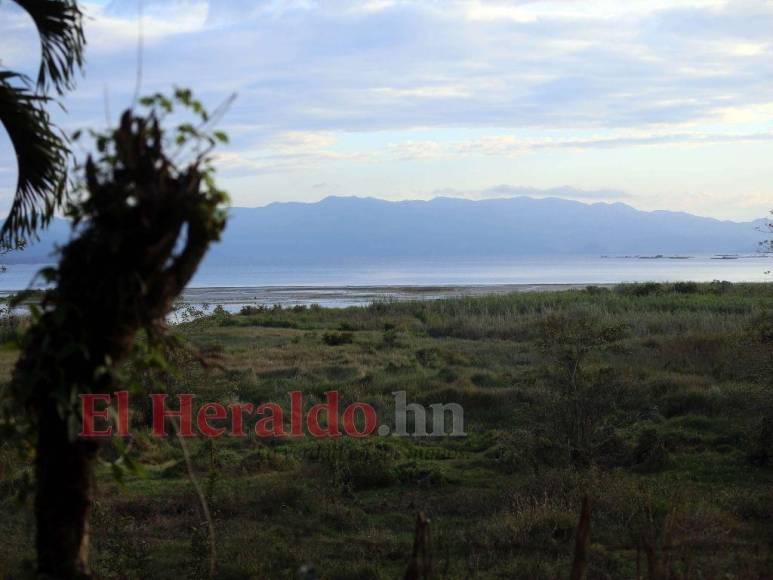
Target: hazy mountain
350, 229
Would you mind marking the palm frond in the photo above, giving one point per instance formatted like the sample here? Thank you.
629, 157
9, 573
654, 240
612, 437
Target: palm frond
41, 154
60, 27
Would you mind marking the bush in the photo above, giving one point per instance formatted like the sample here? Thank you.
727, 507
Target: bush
721, 286
761, 441
524, 450
639, 290
337, 338
686, 287
428, 357
10, 325
486, 380
529, 522
650, 454
763, 327
688, 402
421, 474
356, 466
390, 338
367, 470
222, 317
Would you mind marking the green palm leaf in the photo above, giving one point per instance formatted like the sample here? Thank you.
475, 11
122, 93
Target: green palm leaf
41, 155
60, 27
41, 151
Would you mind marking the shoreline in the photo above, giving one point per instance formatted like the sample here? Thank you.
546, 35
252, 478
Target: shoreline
233, 298
354, 295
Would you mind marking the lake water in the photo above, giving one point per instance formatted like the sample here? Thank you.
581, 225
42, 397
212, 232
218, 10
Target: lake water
538, 270
237, 284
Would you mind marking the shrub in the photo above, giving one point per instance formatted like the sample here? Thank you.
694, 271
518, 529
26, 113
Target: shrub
448, 375
686, 287
650, 453
485, 379
529, 522
761, 441
356, 466
121, 549
639, 290
337, 338
365, 472
582, 413
690, 401
763, 327
720, 286
390, 338
421, 474
524, 450
10, 325
428, 357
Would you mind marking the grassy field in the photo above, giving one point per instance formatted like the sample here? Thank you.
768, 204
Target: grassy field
654, 400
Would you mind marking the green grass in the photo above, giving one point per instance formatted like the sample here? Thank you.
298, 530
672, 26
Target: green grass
674, 394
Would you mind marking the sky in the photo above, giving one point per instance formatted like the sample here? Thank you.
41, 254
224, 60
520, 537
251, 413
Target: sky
661, 104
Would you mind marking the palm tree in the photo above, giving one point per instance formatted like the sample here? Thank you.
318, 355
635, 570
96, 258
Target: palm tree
145, 223
42, 156
41, 150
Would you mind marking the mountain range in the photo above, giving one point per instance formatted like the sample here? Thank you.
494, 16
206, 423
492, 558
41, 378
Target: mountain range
355, 229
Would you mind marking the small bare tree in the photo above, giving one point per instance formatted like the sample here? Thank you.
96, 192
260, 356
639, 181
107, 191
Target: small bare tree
583, 419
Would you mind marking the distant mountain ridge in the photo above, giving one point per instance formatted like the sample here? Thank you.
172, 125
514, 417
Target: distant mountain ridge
355, 229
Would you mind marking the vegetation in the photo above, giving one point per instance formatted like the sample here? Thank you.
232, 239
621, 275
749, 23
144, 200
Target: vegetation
654, 400
651, 403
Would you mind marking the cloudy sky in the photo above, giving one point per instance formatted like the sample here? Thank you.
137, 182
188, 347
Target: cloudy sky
662, 104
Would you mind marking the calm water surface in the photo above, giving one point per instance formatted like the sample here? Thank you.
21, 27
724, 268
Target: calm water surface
236, 284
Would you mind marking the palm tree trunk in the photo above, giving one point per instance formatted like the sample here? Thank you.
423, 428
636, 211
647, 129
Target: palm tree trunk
63, 502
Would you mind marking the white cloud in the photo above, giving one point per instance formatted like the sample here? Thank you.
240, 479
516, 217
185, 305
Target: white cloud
116, 27
425, 92
508, 146
321, 82
287, 151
